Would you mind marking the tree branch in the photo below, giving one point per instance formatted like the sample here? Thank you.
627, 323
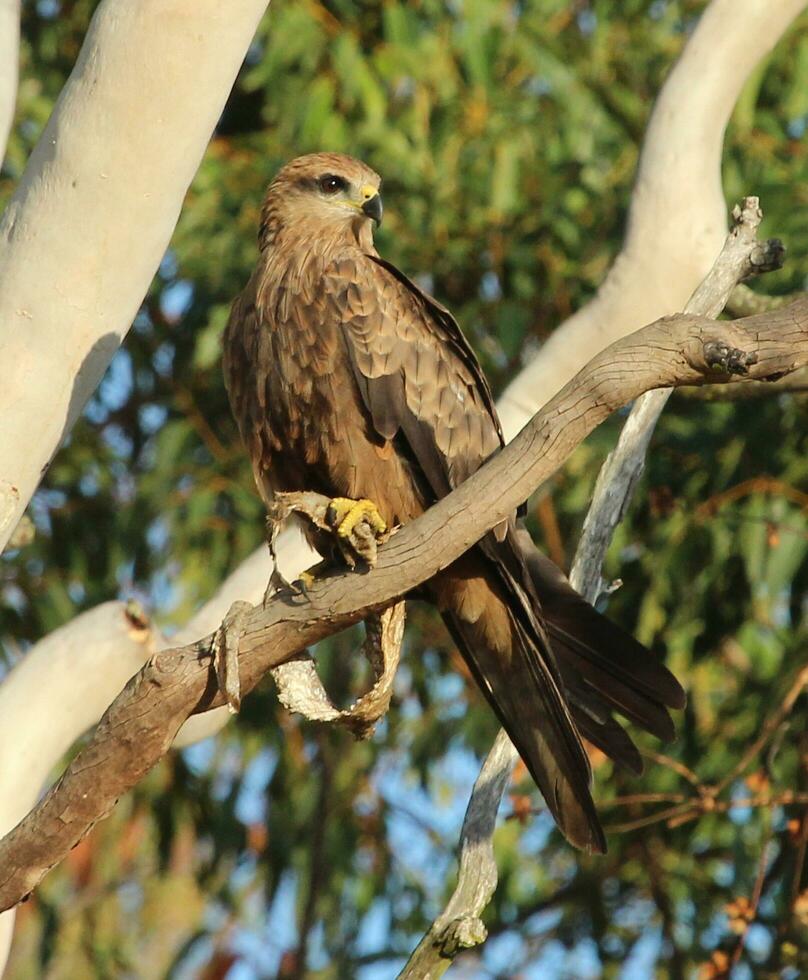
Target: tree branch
140, 725
459, 925
631, 293
681, 150
740, 257
86, 229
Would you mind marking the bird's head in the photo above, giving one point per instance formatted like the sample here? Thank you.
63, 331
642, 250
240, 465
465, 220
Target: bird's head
325, 194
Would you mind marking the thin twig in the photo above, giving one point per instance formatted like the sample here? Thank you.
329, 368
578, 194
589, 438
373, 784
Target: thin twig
199, 423
140, 726
741, 256
634, 799
757, 891
696, 807
758, 484
770, 727
679, 767
681, 810
637, 798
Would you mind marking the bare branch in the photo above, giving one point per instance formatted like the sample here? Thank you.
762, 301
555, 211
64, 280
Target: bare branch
140, 725
632, 293
459, 926
300, 688
740, 257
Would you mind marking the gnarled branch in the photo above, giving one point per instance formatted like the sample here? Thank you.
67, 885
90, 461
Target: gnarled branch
741, 256
140, 725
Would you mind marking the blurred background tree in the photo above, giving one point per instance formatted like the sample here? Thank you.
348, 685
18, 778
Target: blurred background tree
507, 135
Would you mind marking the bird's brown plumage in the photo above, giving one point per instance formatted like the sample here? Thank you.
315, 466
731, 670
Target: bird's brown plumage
346, 378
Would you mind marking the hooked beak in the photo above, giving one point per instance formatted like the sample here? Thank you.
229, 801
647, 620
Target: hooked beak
372, 205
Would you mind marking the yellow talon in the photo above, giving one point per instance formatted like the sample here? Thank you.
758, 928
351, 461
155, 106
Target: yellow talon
309, 576
347, 513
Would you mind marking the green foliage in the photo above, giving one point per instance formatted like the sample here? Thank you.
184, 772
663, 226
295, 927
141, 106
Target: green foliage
507, 136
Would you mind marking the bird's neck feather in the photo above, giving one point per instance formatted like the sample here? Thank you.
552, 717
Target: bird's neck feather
294, 257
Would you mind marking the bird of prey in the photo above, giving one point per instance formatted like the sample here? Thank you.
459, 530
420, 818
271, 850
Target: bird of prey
347, 379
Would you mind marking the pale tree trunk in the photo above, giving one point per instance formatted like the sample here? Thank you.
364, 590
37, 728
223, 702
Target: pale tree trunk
79, 245
86, 230
9, 66
46, 703
679, 177
649, 277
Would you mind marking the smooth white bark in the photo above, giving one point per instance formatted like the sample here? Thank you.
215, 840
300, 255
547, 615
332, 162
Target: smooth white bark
85, 232
681, 150
61, 687
677, 189
9, 67
66, 681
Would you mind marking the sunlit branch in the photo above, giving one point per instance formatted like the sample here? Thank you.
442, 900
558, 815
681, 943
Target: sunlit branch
139, 727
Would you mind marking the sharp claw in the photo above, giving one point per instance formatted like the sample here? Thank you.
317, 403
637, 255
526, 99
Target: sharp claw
304, 581
359, 527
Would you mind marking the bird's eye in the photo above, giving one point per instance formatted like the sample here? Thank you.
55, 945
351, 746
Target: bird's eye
329, 184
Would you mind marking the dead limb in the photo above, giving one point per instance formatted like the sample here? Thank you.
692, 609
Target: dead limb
140, 725
741, 257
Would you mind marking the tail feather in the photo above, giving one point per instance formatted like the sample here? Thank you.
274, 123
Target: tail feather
553, 669
611, 738
632, 703
598, 660
607, 644
515, 671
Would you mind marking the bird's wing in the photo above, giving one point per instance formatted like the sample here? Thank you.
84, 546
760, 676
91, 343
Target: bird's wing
246, 349
423, 387
415, 371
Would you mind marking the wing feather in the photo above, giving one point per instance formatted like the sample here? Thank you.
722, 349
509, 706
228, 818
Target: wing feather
414, 369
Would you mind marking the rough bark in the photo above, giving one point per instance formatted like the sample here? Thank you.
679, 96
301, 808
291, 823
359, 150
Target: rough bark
83, 235
459, 926
139, 727
679, 100
746, 29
